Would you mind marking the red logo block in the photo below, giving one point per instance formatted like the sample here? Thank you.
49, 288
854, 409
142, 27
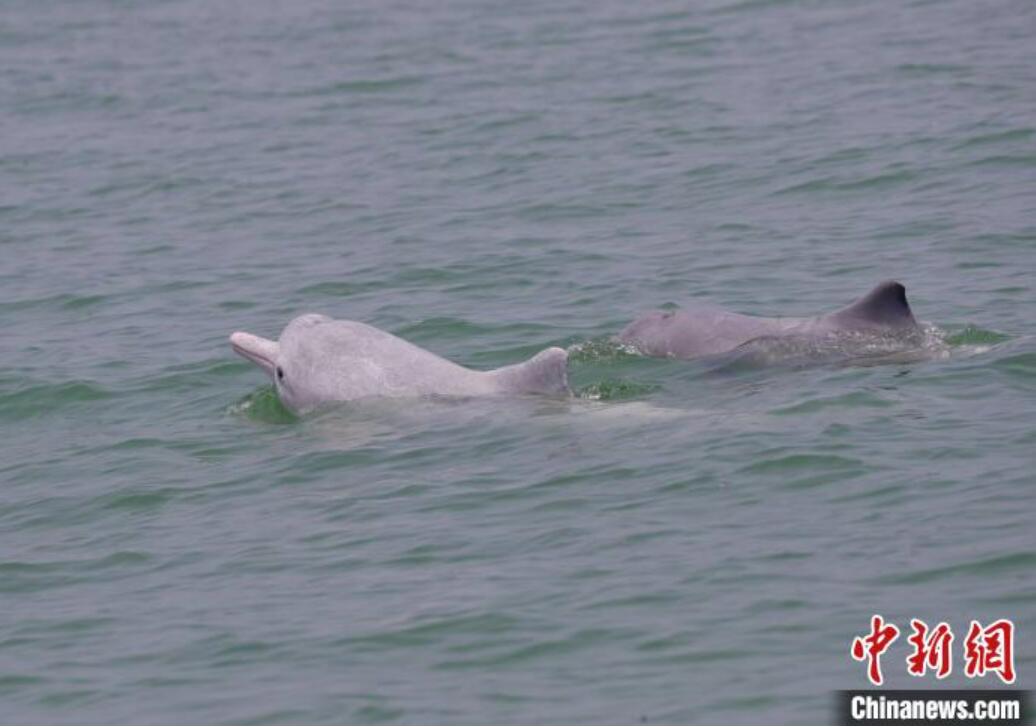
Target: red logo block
990, 649
872, 646
931, 649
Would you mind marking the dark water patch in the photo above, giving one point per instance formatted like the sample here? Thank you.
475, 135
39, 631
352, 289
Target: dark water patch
245, 652
68, 627
340, 288
71, 698
563, 505
1025, 597
1025, 239
978, 264
788, 555
701, 656
84, 301
506, 122
32, 576
668, 643
998, 137
40, 400
536, 651
377, 714
429, 276
443, 327
66, 102
701, 480
139, 500
171, 184
434, 631
841, 156
633, 98
807, 471
851, 271
923, 70
913, 229
309, 466
404, 492
688, 42
473, 285
213, 454
64, 301
1005, 160
118, 560
152, 249
851, 400
236, 305
561, 211
750, 6
1021, 366
363, 86
753, 703
769, 605
624, 21
13, 684
887, 492
638, 601
981, 569
173, 286
297, 716
189, 378
825, 479
885, 181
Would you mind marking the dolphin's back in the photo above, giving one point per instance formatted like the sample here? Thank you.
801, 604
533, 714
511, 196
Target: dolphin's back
345, 360
698, 331
705, 331
338, 360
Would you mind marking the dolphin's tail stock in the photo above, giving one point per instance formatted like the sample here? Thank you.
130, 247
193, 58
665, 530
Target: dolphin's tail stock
885, 306
544, 373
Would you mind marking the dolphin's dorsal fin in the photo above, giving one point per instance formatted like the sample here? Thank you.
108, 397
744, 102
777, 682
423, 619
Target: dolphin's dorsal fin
544, 373
885, 305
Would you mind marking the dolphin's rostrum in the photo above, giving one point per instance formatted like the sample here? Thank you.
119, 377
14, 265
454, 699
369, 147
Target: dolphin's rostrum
319, 360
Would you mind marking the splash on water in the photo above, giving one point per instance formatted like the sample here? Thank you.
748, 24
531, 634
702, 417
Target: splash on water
601, 349
614, 389
262, 405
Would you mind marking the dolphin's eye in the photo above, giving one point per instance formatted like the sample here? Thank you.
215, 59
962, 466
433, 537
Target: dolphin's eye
280, 374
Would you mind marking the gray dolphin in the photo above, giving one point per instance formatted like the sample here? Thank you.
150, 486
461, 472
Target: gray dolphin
705, 330
319, 360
